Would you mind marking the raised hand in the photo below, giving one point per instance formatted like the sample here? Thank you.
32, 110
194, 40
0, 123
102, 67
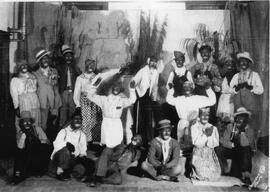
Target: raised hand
170, 85
132, 84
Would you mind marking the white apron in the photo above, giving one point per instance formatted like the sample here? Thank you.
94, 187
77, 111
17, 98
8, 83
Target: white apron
111, 132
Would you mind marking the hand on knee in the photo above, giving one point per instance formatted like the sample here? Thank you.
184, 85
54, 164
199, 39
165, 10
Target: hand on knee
59, 171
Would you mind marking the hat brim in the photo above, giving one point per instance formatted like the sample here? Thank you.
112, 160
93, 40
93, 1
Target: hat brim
45, 54
242, 113
205, 47
248, 58
164, 127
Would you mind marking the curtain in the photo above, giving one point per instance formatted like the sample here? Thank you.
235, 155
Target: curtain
250, 27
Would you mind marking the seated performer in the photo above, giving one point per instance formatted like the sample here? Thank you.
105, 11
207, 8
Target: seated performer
33, 150
115, 160
188, 105
237, 144
70, 147
162, 162
205, 138
112, 107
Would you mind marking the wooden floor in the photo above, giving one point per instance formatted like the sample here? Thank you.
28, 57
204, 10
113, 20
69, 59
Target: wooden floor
131, 183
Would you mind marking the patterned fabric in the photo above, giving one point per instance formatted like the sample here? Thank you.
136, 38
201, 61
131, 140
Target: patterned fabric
205, 164
91, 119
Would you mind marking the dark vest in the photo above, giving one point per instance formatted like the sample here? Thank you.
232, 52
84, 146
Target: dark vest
178, 84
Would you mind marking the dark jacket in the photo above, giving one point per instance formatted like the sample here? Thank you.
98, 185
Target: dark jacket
155, 156
62, 71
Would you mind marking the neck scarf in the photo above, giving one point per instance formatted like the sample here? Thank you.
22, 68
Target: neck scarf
165, 144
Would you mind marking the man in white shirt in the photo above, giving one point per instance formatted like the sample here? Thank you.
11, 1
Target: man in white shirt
70, 147
188, 105
247, 87
147, 109
112, 107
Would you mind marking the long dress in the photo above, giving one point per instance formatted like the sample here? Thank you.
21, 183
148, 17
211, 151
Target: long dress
23, 92
91, 113
205, 164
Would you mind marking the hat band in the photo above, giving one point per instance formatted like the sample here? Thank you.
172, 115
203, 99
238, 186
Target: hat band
41, 55
67, 50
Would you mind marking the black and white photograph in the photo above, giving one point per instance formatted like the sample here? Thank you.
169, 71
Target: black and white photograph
134, 95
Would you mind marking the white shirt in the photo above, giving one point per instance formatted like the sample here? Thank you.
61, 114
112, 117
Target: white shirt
75, 137
225, 88
188, 107
113, 105
251, 77
82, 84
146, 78
199, 139
165, 145
21, 85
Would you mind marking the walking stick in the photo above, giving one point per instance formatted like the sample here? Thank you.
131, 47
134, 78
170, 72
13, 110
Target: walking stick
137, 116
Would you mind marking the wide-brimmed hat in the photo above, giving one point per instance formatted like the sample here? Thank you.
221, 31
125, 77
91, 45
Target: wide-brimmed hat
26, 115
163, 124
178, 55
205, 46
42, 53
241, 111
245, 55
66, 49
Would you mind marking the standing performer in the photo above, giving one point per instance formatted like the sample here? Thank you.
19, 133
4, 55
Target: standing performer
112, 106
91, 113
207, 74
225, 107
47, 79
247, 86
68, 73
23, 90
176, 79
148, 110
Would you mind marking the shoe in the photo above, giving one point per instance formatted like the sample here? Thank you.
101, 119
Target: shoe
174, 179
63, 177
246, 180
16, 180
96, 181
